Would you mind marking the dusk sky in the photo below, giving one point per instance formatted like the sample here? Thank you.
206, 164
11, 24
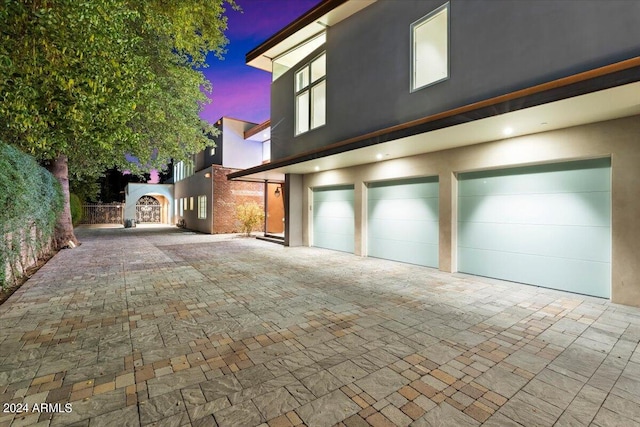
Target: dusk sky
241, 91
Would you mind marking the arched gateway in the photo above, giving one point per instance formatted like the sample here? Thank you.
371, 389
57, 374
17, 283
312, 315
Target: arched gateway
148, 210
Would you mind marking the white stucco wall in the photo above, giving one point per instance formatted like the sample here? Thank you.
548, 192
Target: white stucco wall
133, 191
238, 153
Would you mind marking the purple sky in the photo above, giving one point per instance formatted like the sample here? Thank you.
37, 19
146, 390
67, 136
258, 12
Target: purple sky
241, 91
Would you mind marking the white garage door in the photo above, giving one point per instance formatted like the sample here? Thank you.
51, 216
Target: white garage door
402, 221
545, 225
333, 218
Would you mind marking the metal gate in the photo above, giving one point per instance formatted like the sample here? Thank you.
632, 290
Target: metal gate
102, 213
148, 210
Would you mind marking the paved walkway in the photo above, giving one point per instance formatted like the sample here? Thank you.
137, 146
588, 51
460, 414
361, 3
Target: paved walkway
163, 327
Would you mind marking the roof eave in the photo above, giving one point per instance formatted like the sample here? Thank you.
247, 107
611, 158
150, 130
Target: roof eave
309, 17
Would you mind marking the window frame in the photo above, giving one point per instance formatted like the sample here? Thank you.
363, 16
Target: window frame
416, 24
202, 207
308, 89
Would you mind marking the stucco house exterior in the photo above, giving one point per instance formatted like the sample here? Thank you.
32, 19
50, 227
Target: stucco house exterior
498, 139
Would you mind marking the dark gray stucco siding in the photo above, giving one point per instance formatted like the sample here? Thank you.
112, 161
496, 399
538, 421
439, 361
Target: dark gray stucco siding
496, 47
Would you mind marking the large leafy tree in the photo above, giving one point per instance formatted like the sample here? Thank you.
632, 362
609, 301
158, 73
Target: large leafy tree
86, 84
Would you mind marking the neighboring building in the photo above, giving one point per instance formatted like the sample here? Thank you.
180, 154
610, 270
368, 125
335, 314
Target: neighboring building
500, 139
200, 197
204, 199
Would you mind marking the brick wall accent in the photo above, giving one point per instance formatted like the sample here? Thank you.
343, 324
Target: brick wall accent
227, 195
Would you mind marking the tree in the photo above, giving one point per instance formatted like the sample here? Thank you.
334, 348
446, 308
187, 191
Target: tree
84, 83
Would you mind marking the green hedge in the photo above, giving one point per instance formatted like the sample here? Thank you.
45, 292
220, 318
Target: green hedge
76, 209
30, 202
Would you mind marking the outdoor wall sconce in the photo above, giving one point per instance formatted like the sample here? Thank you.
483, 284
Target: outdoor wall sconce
207, 175
277, 192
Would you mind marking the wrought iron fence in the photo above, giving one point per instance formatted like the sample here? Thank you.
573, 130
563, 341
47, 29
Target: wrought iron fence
102, 213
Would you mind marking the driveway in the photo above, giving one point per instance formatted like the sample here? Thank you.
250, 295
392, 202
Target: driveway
166, 327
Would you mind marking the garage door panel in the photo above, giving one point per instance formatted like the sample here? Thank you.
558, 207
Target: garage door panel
334, 225
406, 189
333, 194
404, 251
333, 218
402, 220
405, 209
409, 231
571, 275
584, 176
543, 225
585, 209
582, 243
335, 209
335, 241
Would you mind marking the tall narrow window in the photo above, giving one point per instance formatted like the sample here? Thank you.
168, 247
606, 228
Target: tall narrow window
311, 89
202, 207
430, 48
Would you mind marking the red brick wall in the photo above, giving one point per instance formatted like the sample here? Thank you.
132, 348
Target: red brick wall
227, 195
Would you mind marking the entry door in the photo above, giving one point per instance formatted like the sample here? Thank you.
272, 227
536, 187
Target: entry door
402, 221
333, 218
546, 225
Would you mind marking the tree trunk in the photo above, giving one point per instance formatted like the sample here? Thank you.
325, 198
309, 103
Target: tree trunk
64, 227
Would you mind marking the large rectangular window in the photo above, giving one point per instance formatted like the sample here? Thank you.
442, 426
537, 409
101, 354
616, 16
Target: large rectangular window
311, 89
430, 48
202, 207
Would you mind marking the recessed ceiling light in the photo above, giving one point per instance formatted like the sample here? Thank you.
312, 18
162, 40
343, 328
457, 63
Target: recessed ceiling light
264, 135
507, 131
379, 156
317, 168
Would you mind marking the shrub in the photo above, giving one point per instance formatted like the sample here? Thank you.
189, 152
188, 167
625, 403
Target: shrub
250, 214
76, 208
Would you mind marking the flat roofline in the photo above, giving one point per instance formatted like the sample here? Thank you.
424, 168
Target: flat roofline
307, 18
612, 75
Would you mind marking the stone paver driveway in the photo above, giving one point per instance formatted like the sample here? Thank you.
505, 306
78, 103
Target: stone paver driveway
162, 327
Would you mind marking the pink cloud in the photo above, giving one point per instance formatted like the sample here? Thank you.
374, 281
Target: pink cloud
154, 178
246, 97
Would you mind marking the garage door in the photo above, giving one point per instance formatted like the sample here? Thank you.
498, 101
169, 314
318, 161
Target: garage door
547, 225
402, 221
333, 218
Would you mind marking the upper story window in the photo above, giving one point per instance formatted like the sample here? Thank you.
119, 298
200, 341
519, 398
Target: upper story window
182, 170
311, 89
430, 48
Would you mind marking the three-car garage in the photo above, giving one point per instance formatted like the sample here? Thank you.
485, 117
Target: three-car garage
547, 225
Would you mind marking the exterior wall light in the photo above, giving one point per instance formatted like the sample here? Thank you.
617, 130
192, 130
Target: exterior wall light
207, 175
